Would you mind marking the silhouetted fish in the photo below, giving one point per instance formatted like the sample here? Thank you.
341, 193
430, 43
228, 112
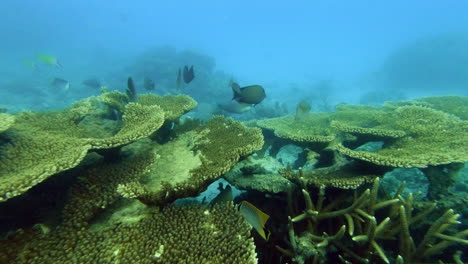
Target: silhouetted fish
188, 74
131, 91
253, 94
61, 84
179, 80
148, 84
225, 195
93, 83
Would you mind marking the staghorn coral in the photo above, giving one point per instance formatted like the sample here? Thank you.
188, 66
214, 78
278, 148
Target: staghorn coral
189, 234
43, 144
366, 229
313, 128
188, 164
6, 121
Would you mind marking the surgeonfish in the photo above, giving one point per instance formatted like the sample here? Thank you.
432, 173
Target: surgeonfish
148, 84
60, 84
224, 195
49, 60
188, 74
253, 94
179, 80
93, 83
255, 217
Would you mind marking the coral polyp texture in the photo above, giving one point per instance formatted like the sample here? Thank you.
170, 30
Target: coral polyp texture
188, 234
432, 138
6, 121
40, 145
186, 165
173, 105
312, 128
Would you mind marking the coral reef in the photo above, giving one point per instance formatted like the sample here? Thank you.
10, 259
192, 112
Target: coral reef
189, 234
186, 165
6, 121
366, 230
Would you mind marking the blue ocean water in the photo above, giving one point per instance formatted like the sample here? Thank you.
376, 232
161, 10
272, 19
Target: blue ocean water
326, 53
286, 46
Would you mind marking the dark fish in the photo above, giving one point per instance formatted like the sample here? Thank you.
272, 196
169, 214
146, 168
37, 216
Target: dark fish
131, 91
253, 94
93, 83
225, 195
61, 84
234, 107
188, 74
148, 84
179, 80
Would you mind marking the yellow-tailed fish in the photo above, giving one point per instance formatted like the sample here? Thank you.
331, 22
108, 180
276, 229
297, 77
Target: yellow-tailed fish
49, 60
255, 217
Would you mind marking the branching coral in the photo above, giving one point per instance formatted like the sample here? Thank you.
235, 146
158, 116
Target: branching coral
361, 235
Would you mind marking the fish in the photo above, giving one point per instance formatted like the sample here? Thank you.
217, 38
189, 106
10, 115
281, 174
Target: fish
61, 84
225, 195
188, 74
234, 107
131, 91
148, 84
255, 217
93, 83
179, 80
253, 94
49, 60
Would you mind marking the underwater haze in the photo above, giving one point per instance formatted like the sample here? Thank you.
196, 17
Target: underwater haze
287, 47
233, 132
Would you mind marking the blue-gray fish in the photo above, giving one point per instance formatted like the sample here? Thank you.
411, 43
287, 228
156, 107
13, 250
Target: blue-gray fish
61, 84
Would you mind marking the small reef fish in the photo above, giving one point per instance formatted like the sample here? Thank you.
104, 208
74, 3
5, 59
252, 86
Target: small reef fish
225, 195
49, 60
179, 80
61, 84
148, 84
253, 94
131, 91
255, 217
93, 83
188, 74
234, 107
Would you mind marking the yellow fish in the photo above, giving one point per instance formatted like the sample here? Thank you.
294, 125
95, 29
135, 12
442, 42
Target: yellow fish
255, 217
49, 60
